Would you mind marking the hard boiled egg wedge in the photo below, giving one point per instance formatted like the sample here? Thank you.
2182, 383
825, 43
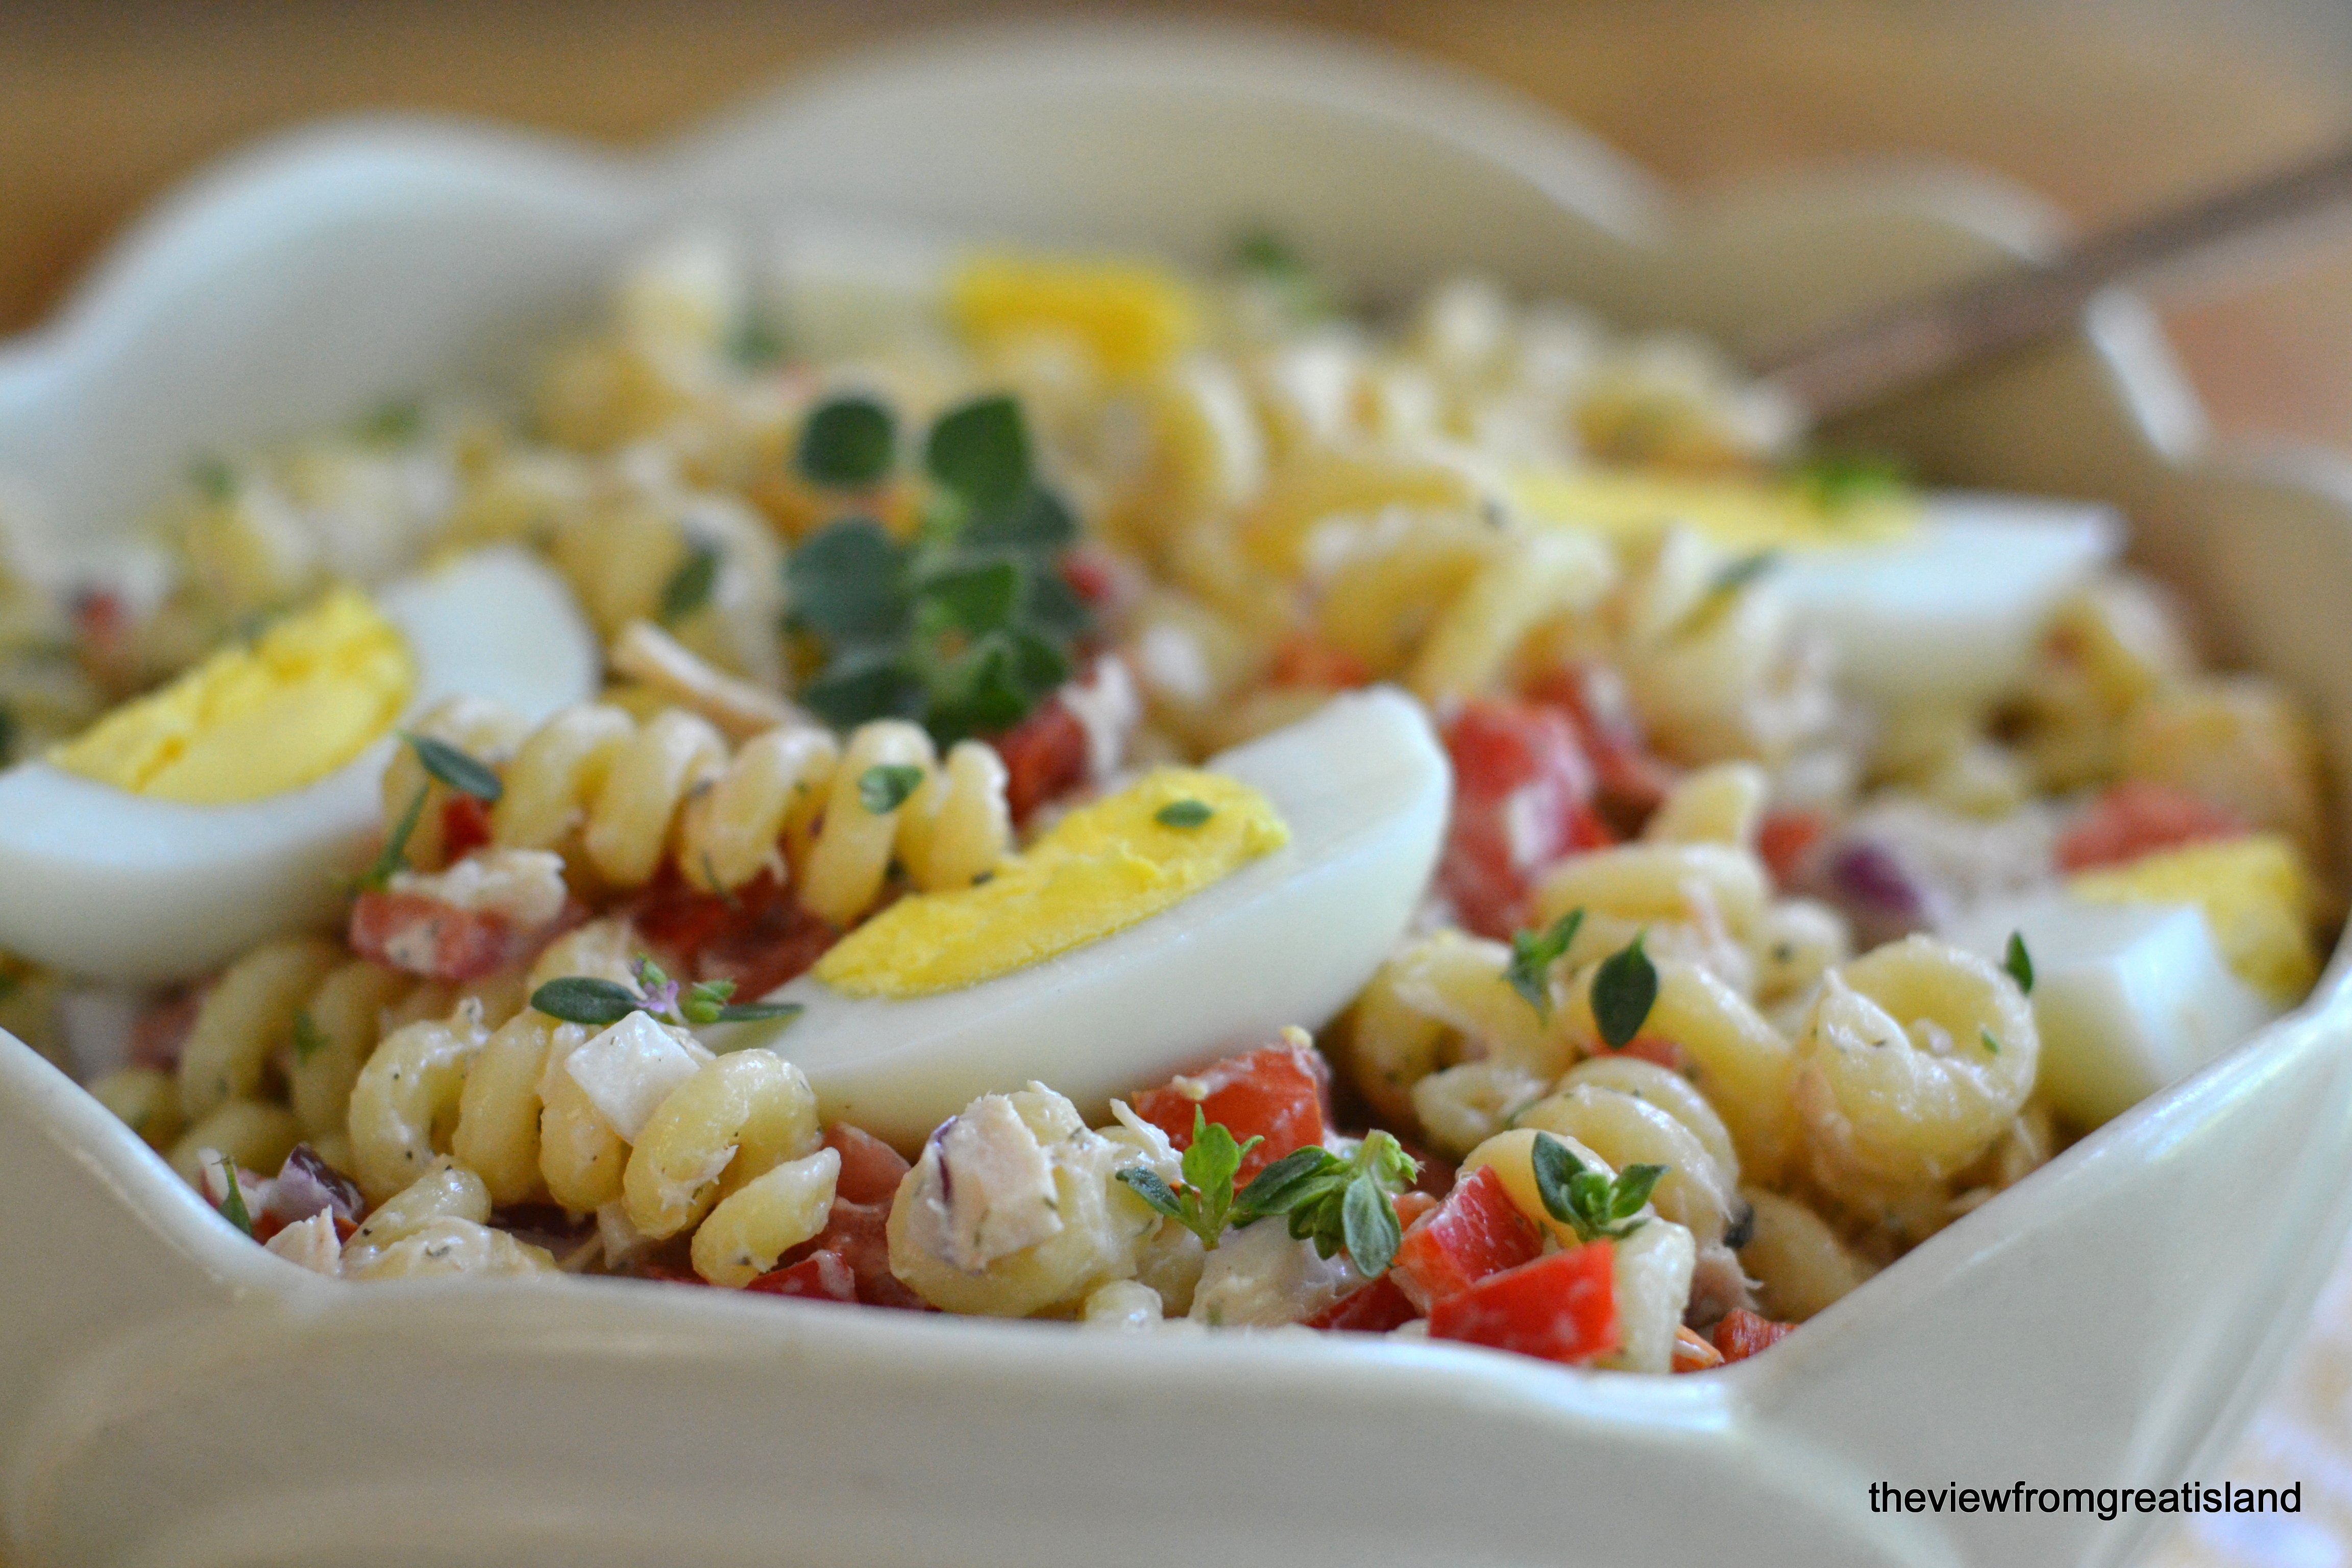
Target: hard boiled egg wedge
124, 884
2128, 997
1363, 789
1950, 611
1935, 599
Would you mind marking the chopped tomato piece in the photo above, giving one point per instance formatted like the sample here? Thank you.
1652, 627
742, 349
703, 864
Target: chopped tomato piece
420, 935
669, 1271
1783, 838
858, 1234
465, 826
1633, 779
1476, 1232
821, 1276
1279, 1093
1523, 791
1411, 1206
870, 1169
1374, 1309
1561, 1308
1693, 1353
1304, 660
1105, 580
2139, 817
1742, 1333
1651, 1048
1044, 755
758, 935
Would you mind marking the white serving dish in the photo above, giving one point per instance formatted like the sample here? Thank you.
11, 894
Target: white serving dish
170, 1394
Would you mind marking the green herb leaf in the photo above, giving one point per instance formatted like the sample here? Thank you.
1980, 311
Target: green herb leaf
979, 451
581, 999
1147, 1185
1585, 1200
1834, 481
1187, 813
232, 1204
1269, 258
394, 856
705, 1000
689, 587
309, 1038
214, 479
1624, 989
848, 442
2020, 963
1369, 1225
844, 584
1739, 573
391, 423
1036, 524
850, 693
454, 768
757, 1012
885, 787
1533, 955
1327, 1199
1991, 1042
982, 597
755, 343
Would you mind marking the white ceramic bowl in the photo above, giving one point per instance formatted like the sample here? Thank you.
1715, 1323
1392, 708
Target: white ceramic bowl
171, 1394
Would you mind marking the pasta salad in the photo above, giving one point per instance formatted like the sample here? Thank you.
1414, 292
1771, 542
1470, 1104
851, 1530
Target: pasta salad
1037, 786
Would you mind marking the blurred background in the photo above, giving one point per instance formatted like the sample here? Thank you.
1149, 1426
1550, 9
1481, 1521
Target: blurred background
2105, 107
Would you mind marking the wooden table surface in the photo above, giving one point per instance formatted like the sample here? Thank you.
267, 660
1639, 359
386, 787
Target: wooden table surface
2105, 106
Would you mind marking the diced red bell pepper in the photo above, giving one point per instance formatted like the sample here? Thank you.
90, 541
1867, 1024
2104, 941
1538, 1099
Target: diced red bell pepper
1476, 1232
2139, 817
1044, 755
1374, 1309
1653, 1048
859, 1234
1280, 1093
424, 936
1783, 838
870, 1169
465, 826
1694, 1353
822, 1276
1633, 779
1742, 1333
1305, 660
1561, 1308
758, 936
1523, 791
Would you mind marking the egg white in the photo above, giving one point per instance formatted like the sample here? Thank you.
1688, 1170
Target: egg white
1951, 612
2128, 997
1287, 939
102, 882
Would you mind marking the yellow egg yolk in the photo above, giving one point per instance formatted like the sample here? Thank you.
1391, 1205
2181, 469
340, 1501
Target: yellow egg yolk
1133, 318
250, 722
2256, 894
1101, 868
1737, 514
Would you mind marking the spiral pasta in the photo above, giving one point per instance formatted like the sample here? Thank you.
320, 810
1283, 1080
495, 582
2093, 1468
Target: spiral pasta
1914, 1060
624, 798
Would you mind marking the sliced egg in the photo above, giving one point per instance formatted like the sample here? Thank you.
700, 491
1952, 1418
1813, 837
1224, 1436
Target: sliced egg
1364, 789
101, 881
1937, 599
2128, 997
1950, 612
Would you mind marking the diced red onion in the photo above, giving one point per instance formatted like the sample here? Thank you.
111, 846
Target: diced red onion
307, 1184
